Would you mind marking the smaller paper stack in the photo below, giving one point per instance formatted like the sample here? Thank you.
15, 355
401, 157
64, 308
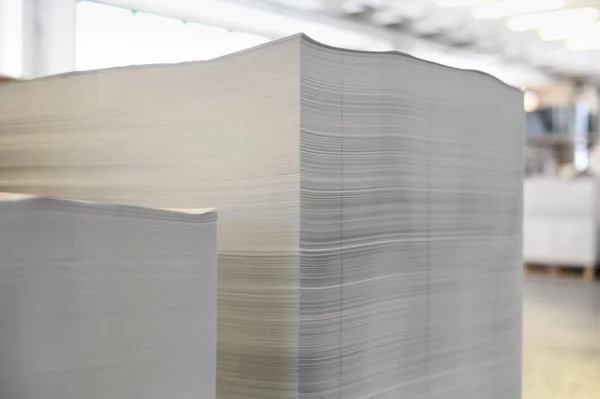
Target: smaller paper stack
102, 301
560, 221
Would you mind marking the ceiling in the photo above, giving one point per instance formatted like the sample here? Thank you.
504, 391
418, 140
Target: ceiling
450, 35
457, 27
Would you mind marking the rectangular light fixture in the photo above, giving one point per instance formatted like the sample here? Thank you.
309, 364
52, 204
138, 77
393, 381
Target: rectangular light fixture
508, 8
584, 39
563, 32
584, 45
458, 3
552, 19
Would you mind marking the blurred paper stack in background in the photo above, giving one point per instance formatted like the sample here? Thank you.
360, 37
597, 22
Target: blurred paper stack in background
561, 219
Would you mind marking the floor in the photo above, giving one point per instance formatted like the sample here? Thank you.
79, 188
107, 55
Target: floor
561, 343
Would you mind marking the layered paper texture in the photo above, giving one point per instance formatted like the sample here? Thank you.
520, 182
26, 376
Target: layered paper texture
369, 207
103, 301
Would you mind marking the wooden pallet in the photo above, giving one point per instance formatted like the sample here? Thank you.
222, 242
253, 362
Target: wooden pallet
579, 272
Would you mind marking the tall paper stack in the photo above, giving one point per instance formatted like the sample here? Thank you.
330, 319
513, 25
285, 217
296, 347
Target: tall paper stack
560, 221
369, 207
103, 301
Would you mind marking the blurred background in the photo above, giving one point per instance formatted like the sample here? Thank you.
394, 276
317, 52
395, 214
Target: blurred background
548, 48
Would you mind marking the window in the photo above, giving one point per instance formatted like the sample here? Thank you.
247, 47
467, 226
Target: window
110, 36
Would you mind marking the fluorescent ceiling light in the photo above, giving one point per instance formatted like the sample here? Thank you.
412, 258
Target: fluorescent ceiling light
576, 45
508, 8
563, 32
308, 5
552, 19
458, 3
585, 39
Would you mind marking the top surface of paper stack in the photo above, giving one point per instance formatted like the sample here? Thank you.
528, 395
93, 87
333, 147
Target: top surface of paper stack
106, 301
201, 214
369, 207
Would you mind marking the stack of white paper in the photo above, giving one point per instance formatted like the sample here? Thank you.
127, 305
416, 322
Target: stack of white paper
369, 207
560, 221
103, 301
